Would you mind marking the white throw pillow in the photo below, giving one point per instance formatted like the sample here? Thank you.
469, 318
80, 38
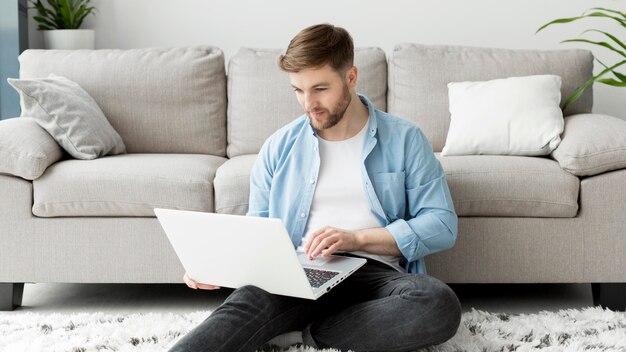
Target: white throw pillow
510, 116
70, 115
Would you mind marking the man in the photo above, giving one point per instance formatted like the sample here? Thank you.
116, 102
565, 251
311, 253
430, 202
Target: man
346, 179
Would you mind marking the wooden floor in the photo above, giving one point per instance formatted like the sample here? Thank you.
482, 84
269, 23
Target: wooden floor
178, 298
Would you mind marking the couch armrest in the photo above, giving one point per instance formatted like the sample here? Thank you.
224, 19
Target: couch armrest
592, 144
26, 149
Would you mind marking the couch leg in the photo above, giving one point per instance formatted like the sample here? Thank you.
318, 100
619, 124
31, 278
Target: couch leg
609, 295
11, 295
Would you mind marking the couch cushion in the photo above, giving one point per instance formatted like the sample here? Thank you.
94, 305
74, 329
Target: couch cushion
126, 185
232, 185
160, 100
517, 186
261, 100
26, 149
419, 74
592, 144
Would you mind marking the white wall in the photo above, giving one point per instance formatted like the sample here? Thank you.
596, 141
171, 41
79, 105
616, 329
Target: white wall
230, 24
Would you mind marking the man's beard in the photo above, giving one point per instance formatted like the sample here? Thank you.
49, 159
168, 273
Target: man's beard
336, 114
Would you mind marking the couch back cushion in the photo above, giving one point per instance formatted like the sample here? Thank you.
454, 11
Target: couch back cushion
159, 100
419, 74
261, 99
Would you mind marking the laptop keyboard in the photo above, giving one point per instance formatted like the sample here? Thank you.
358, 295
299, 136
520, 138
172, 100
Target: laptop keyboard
319, 277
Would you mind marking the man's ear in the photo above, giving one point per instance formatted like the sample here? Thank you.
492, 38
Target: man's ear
351, 76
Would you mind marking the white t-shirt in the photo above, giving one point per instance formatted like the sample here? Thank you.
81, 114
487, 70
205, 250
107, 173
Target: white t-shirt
339, 199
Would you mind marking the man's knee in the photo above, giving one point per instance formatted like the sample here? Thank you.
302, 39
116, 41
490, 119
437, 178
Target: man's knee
451, 309
440, 300
258, 300
247, 297
251, 292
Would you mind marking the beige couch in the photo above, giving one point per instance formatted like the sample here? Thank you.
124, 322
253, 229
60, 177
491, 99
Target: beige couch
192, 133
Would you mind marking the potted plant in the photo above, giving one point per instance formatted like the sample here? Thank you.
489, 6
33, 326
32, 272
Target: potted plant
60, 22
613, 43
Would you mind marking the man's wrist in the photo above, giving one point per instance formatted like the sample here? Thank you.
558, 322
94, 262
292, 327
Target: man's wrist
360, 239
378, 240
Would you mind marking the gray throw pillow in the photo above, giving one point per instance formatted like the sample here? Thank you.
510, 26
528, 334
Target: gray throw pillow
592, 144
70, 115
26, 149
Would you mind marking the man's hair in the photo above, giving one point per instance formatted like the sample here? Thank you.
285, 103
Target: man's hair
317, 46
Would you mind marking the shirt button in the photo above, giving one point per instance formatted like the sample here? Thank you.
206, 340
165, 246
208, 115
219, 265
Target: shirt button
312, 180
302, 215
315, 148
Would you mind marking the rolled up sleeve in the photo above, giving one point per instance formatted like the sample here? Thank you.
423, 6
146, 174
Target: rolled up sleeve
431, 223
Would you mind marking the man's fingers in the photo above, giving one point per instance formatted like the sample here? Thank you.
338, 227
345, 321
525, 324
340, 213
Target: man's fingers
332, 249
323, 244
189, 281
313, 243
207, 287
195, 285
313, 237
316, 247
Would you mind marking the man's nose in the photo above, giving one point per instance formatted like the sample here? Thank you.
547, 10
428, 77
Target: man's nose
309, 102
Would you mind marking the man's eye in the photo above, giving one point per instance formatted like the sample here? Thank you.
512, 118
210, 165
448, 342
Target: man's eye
297, 90
320, 89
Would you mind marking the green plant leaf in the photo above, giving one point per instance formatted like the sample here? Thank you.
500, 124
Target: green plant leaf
82, 12
604, 44
585, 15
43, 21
612, 82
614, 38
46, 18
560, 20
56, 12
609, 10
61, 14
600, 14
579, 91
622, 77
79, 13
66, 13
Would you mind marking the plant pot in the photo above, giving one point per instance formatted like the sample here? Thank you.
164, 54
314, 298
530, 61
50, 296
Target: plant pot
69, 39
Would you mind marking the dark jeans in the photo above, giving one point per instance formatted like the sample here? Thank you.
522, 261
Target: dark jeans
375, 309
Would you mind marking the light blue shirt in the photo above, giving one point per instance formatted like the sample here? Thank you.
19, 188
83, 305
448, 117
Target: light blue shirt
404, 184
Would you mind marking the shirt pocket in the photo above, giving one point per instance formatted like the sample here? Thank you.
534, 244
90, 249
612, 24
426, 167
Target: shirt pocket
391, 193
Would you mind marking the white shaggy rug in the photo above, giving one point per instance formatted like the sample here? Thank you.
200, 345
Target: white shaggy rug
590, 329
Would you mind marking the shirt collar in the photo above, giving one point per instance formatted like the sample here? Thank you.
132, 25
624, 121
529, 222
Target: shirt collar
372, 112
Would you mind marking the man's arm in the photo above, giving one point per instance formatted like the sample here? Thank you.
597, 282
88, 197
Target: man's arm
432, 226
260, 183
376, 240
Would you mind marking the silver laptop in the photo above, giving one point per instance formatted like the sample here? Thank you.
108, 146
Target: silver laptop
233, 251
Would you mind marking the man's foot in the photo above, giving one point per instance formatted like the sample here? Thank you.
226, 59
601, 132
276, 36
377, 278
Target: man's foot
283, 342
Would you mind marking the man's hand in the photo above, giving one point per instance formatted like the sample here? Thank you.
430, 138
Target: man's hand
195, 285
331, 239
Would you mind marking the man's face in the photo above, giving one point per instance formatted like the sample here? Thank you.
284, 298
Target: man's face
323, 93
